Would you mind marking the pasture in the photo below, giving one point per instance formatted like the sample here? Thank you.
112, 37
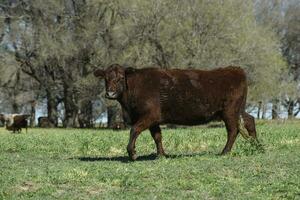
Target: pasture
93, 164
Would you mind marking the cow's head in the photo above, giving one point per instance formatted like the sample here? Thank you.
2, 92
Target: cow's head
7, 120
115, 82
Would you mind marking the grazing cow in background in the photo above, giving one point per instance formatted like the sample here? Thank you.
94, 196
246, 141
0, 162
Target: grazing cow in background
15, 122
151, 96
44, 122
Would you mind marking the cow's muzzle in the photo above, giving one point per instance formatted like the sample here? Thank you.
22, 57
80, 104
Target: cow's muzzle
111, 95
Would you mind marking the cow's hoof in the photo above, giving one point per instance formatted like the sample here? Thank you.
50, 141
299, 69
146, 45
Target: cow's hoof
161, 155
223, 153
133, 157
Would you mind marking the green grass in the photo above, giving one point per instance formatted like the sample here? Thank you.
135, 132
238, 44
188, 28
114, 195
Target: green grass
92, 164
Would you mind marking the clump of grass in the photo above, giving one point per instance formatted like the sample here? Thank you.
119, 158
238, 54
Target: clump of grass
249, 147
84, 148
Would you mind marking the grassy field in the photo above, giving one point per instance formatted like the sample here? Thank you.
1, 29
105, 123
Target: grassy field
93, 164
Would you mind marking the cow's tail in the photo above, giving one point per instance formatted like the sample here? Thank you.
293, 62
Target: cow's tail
242, 129
241, 123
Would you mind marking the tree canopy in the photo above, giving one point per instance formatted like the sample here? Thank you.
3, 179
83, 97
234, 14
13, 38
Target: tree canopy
59, 43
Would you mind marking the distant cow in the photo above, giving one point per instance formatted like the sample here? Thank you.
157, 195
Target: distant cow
15, 122
44, 122
151, 96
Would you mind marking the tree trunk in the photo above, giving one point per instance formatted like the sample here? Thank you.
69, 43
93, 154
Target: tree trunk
298, 109
52, 108
32, 114
70, 115
115, 117
85, 117
259, 109
275, 109
15, 107
71, 109
291, 105
264, 111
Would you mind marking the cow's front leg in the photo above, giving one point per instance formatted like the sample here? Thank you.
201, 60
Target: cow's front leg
131, 144
134, 133
156, 135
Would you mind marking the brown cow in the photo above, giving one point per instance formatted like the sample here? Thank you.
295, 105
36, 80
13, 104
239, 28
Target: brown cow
15, 122
151, 96
44, 122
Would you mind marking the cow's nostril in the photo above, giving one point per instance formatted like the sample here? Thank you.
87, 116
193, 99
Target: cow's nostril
111, 94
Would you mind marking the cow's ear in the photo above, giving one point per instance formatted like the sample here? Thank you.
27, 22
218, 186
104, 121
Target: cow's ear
99, 73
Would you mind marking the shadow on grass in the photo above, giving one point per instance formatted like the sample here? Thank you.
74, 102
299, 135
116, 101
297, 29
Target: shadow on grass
126, 159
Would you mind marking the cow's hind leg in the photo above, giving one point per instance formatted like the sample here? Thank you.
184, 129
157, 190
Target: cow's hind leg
134, 133
249, 124
231, 122
156, 135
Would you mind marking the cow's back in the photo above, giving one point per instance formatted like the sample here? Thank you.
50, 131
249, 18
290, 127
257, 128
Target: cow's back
195, 96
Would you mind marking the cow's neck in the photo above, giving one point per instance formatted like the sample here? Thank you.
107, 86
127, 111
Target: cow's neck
127, 99
124, 100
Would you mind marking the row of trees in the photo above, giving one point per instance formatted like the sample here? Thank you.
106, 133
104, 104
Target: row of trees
49, 50
283, 18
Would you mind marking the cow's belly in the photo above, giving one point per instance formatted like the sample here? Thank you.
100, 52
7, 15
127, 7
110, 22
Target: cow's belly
189, 114
187, 101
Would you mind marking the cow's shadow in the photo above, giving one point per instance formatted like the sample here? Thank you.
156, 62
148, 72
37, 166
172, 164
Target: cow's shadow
150, 157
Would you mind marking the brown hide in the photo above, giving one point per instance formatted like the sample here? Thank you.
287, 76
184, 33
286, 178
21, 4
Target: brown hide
185, 97
152, 96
